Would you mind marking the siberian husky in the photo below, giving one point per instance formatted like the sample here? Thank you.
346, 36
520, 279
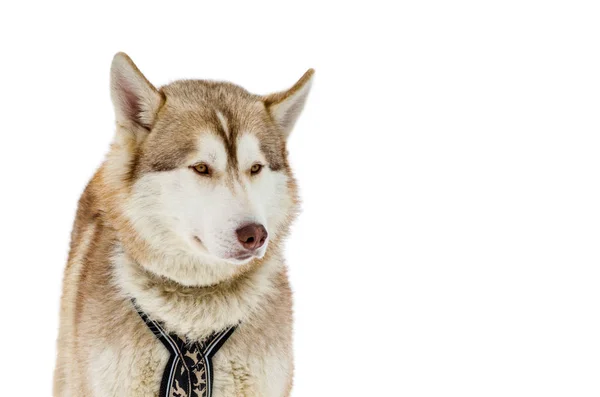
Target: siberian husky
179, 236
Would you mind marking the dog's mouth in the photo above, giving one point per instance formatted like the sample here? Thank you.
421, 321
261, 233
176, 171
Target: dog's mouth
242, 257
239, 257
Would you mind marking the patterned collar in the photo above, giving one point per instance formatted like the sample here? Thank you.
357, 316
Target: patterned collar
189, 371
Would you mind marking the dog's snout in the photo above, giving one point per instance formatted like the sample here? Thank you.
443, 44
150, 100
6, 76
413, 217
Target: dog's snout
252, 236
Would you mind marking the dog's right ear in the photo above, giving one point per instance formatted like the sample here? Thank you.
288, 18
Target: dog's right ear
136, 101
286, 106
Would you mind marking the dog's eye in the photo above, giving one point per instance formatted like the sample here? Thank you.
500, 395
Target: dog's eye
201, 169
255, 169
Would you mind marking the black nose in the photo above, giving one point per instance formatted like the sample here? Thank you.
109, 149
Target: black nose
252, 236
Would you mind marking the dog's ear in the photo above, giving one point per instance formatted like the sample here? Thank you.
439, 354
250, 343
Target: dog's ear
286, 106
136, 101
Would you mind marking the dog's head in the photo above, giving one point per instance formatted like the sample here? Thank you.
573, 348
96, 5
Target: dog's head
197, 180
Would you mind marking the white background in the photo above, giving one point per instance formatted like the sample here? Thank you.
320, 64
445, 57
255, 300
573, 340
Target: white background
447, 158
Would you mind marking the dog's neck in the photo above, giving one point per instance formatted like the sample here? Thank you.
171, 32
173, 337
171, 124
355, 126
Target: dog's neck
196, 312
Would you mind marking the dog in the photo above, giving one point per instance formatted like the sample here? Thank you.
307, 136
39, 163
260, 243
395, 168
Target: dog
179, 237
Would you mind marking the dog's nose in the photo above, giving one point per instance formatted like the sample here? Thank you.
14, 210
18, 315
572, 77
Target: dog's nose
252, 236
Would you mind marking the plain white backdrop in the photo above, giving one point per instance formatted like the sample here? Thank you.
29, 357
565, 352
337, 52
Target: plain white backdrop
448, 159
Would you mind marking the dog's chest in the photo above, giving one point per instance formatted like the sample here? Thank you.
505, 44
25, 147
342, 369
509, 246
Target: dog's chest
189, 369
237, 371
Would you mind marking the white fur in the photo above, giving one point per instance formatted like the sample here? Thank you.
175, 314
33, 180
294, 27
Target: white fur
192, 219
223, 121
192, 316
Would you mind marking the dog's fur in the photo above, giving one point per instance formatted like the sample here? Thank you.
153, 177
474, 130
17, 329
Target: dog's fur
149, 227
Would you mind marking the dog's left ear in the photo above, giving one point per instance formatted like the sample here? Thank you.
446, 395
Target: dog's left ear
136, 101
286, 106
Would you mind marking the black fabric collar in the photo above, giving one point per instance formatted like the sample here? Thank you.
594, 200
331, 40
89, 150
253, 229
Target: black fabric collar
189, 371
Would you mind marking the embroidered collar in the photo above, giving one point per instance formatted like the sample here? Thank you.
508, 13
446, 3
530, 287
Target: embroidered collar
189, 371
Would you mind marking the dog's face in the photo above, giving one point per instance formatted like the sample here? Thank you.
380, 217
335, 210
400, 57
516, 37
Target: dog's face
212, 176
208, 182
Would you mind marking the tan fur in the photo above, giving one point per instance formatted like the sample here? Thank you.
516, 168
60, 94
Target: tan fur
104, 349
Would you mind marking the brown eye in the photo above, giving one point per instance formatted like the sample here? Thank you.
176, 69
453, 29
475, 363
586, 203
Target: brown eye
255, 169
201, 169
